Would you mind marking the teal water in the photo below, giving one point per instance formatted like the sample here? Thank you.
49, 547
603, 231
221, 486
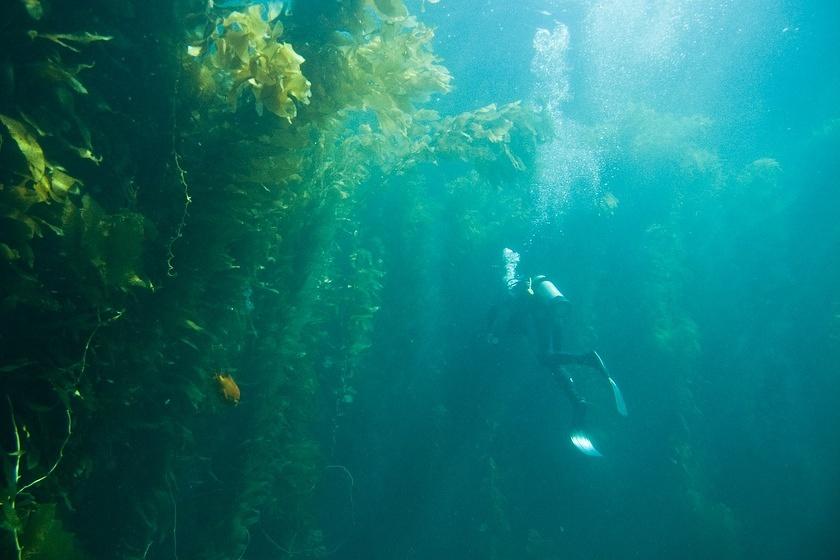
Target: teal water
715, 127
672, 167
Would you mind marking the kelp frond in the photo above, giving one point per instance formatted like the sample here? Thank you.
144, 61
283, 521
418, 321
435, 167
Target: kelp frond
50, 181
70, 40
245, 48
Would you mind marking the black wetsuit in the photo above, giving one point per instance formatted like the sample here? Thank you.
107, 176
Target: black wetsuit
523, 313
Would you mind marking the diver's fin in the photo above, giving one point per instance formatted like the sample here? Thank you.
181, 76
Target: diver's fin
620, 406
599, 363
582, 442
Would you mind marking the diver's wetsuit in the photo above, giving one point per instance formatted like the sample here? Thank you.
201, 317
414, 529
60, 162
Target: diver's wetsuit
523, 314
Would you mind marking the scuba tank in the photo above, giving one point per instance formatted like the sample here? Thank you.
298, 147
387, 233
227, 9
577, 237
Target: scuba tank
547, 293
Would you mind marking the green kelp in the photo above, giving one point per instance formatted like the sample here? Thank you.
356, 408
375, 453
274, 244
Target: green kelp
483, 134
391, 71
151, 237
72, 41
34, 8
44, 537
112, 243
245, 48
28, 146
47, 204
70, 260
671, 187
391, 8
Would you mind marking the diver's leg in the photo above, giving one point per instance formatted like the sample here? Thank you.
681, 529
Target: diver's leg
586, 359
578, 435
558, 359
595, 362
570, 389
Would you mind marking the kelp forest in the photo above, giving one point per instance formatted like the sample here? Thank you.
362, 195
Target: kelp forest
183, 196
246, 254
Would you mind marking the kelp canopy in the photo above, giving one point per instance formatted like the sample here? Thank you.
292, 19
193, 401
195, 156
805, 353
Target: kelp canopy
182, 193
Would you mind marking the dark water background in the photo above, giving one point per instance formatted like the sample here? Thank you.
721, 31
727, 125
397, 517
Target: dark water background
683, 193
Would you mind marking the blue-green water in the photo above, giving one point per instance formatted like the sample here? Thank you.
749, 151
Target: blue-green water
672, 166
715, 127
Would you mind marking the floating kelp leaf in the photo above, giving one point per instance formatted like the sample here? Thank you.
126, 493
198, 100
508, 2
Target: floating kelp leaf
111, 243
277, 91
193, 325
42, 189
44, 536
34, 8
189, 343
34, 125
137, 282
391, 8
483, 133
28, 146
86, 153
242, 32
8, 254
55, 229
66, 39
54, 71
390, 71
61, 183
247, 49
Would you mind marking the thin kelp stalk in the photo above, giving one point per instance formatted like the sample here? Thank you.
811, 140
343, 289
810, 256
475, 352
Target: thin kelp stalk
84, 362
170, 483
182, 180
179, 229
58, 458
319, 550
16, 491
17, 454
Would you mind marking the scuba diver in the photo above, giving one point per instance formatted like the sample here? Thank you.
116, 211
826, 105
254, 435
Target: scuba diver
535, 308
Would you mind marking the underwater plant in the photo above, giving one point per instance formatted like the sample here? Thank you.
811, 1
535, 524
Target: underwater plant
150, 237
245, 49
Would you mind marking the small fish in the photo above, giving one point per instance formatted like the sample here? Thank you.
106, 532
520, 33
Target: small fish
228, 387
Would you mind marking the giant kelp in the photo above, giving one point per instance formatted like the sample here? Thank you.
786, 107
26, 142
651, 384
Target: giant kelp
165, 234
673, 189
245, 49
68, 264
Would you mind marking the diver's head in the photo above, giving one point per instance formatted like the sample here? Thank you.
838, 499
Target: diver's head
548, 295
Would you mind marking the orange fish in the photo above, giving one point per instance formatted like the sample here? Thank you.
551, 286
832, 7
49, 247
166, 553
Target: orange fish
228, 387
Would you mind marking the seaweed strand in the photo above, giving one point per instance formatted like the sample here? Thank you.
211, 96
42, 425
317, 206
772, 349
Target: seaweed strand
170, 484
182, 178
15, 476
99, 323
60, 452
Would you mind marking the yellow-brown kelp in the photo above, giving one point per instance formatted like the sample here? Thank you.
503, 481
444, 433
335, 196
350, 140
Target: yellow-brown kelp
151, 233
245, 48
